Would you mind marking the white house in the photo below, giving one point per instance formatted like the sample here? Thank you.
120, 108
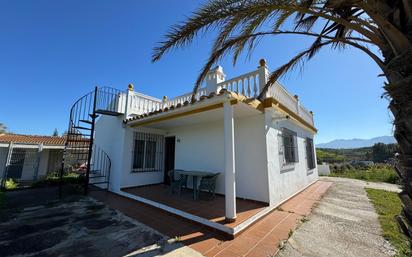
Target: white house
263, 149
27, 158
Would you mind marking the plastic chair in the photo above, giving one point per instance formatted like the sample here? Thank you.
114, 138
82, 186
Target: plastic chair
176, 183
208, 183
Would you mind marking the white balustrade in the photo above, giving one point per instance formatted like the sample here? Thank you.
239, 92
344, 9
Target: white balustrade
278, 92
139, 103
186, 97
248, 84
306, 115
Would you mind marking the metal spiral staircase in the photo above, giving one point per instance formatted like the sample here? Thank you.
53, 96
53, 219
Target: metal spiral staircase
81, 154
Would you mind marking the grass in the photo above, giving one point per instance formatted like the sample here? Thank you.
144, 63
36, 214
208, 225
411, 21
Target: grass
388, 205
373, 174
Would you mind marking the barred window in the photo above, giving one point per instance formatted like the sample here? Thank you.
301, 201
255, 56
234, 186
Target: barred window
147, 152
290, 154
310, 153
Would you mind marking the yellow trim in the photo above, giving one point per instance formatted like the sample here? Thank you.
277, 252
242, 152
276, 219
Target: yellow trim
178, 115
271, 102
234, 99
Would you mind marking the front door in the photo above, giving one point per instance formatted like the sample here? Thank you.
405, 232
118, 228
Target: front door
169, 157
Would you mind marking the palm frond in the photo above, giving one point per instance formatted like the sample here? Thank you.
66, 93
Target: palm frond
248, 30
293, 63
206, 17
232, 14
306, 23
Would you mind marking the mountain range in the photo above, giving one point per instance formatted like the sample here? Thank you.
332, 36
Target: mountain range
356, 142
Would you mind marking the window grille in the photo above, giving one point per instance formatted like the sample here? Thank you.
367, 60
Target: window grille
147, 152
289, 147
310, 153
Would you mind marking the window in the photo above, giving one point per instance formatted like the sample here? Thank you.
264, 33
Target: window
147, 152
310, 153
289, 147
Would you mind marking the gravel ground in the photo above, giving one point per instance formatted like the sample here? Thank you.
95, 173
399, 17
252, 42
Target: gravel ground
80, 226
343, 224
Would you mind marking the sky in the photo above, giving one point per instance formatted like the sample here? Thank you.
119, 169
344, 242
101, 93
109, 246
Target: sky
53, 52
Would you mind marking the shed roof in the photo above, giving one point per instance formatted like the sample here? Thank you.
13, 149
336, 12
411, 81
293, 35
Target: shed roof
32, 139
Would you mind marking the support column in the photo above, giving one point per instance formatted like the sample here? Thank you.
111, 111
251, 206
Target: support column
230, 181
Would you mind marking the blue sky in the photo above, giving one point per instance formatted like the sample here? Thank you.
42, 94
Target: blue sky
52, 52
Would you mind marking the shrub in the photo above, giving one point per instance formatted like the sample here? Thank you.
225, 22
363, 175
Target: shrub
376, 173
53, 179
11, 184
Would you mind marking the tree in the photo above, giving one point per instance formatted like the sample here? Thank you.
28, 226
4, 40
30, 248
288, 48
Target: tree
55, 133
3, 128
383, 152
385, 25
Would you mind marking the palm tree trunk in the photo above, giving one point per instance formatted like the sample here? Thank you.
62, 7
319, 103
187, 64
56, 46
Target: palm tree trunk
399, 88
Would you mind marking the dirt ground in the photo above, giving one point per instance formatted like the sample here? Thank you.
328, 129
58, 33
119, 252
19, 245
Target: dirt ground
76, 226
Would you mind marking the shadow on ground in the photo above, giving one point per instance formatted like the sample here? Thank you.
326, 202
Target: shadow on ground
36, 223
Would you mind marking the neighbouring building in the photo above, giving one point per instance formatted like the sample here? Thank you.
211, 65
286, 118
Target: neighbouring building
27, 158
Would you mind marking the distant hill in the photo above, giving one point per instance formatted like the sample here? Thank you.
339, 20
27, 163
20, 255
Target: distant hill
356, 142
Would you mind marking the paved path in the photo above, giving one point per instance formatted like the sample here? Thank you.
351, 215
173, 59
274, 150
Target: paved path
375, 185
343, 224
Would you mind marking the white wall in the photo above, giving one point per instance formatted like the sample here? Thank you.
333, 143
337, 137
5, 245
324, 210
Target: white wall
323, 169
44, 163
116, 140
110, 136
283, 183
30, 161
201, 148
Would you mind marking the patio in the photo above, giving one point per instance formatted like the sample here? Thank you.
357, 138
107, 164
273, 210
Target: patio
205, 207
261, 239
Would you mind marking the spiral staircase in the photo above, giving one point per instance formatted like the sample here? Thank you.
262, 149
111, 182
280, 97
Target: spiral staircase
81, 154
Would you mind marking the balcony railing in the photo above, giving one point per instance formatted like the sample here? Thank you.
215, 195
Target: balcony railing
249, 85
246, 84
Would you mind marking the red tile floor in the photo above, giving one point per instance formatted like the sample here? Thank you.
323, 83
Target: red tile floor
205, 207
260, 239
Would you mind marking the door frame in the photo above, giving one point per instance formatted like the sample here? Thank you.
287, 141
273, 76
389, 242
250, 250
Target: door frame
169, 160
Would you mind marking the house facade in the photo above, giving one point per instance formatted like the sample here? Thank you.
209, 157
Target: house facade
27, 158
263, 150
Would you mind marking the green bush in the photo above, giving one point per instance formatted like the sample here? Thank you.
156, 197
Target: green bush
375, 173
10, 184
53, 179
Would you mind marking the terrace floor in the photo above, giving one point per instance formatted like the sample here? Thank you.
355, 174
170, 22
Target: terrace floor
206, 207
260, 239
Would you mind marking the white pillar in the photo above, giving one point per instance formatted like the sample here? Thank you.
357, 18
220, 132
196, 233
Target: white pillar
230, 182
263, 74
213, 78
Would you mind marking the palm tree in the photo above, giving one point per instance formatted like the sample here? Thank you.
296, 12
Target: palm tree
384, 25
